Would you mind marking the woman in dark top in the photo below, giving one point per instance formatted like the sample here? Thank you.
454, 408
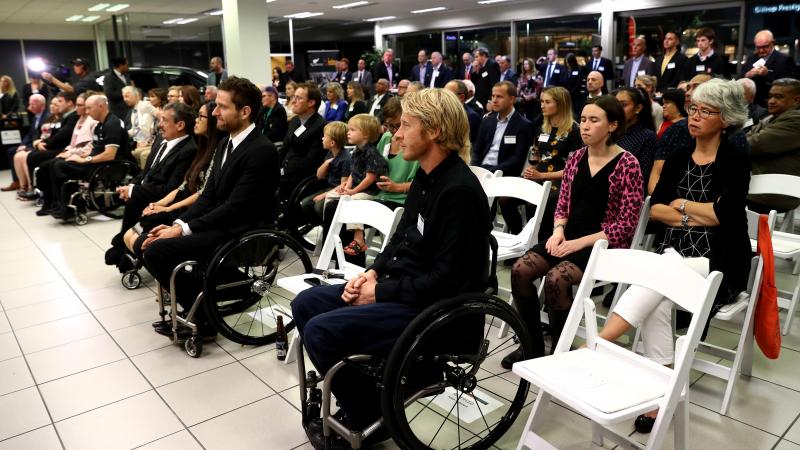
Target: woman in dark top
700, 198
600, 198
355, 93
555, 136
9, 99
640, 135
529, 87
576, 82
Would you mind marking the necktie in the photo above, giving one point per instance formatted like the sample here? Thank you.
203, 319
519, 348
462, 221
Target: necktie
227, 153
547, 75
595, 64
160, 153
468, 72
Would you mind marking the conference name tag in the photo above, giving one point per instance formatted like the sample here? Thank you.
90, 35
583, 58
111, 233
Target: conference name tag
485, 74
574, 73
300, 130
435, 73
509, 139
420, 225
700, 68
748, 123
641, 72
544, 137
601, 69
557, 71
670, 65
334, 106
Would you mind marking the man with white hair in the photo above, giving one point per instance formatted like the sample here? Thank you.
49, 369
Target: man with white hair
637, 64
142, 123
767, 65
471, 101
386, 69
210, 94
439, 74
754, 111
37, 107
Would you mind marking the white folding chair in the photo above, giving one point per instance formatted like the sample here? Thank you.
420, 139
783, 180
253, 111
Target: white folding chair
786, 246
349, 211
607, 383
512, 246
741, 356
483, 175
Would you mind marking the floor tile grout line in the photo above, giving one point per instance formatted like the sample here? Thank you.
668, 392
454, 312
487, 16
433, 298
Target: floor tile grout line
791, 425
31, 431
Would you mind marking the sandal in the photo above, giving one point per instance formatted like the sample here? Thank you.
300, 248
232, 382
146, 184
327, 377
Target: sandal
354, 249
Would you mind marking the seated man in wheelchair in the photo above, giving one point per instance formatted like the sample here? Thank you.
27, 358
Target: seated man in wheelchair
109, 140
238, 197
438, 251
165, 169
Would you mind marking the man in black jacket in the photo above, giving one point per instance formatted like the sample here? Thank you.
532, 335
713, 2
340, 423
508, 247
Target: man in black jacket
485, 75
115, 79
669, 68
599, 63
706, 60
505, 136
46, 149
386, 69
428, 259
767, 65
239, 196
302, 151
37, 106
169, 159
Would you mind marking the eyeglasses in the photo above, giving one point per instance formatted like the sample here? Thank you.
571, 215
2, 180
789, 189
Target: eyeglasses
297, 97
202, 117
763, 47
391, 126
704, 113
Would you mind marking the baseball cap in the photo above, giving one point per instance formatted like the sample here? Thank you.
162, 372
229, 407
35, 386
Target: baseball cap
271, 90
80, 62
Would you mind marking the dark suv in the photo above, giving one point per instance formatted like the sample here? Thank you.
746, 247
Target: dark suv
146, 78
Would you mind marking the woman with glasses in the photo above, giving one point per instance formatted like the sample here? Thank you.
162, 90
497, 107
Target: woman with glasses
700, 199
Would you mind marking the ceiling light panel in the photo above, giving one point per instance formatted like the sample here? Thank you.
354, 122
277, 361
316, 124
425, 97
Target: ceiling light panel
90, 18
99, 6
428, 10
185, 21
118, 7
351, 5
378, 19
172, 21
303, 15
74, 18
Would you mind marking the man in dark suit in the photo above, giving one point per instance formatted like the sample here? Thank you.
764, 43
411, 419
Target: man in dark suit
113, 82
637, 64
302, 151
670, 67
467, 68
505, 136
460, 89
290, 74
472, 102
37, 105
767, 65
239, 196
386, 69
599, 63
364, 76
169, 159
343, 76
381, 95
553, 73
439, 74
485, 75
506, 73
706, 60
422, 69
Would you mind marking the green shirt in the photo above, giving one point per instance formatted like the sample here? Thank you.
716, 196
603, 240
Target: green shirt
400, 170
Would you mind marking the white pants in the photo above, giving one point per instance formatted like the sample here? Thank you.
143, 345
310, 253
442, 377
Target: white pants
644, 307
332, 195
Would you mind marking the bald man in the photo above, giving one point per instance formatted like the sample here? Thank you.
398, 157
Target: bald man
439, 74
218, 72
766, 65
594, 88
637, 64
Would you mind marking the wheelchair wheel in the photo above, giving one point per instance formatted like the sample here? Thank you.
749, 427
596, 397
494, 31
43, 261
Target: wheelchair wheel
241, 296
103, 183
131, 280
81, 218
295, 220
193, 346
443, 386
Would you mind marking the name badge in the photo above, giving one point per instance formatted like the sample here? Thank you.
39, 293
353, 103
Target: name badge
574, 73
386, 149
601, 69
283, 172
420, 225
671, 65
485, 74
435, 73
641, 72
557, 71
760, 63
509, 139
700, 68
544, 137
299, 130
334, 106
749, 123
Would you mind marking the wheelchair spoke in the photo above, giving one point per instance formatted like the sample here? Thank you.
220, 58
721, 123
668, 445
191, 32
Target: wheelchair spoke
458, 397
498, 348
426, 406
478, 404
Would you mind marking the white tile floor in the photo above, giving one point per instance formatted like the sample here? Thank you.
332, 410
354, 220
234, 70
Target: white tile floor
81, 368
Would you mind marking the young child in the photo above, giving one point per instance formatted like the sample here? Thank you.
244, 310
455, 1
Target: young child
367, 167
335, 168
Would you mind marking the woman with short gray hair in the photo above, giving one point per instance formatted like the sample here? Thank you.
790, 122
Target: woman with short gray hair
700, 199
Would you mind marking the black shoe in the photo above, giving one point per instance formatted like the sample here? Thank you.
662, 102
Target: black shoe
644, 424
63, 213
511, 358
113, 255
45, 211
125, 263
184, 332
162, 323
317, 439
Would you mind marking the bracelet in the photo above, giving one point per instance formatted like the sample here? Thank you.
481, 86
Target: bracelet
684, 220
682, 208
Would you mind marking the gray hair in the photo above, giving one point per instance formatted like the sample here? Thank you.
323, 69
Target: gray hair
748, 85
38, 98
725, 95
470, 86
790, 83
132, 90
336, 88
99, 99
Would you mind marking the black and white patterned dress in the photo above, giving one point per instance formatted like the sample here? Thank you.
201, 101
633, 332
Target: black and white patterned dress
695, 186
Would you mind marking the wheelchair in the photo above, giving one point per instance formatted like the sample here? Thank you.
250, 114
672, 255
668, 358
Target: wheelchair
293, 219
441, 385
98, 191
240, 296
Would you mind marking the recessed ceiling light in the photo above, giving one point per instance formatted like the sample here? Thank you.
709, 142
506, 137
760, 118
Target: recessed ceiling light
303, 15
378, 19
420, 11
172, 21
118, 7
99, 6
74, 18
489, 2
351, 5
90, 18
185, 21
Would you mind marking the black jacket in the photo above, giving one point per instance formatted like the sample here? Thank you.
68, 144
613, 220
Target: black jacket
606, 67
779, 65
445, 75
34, 131
302, 154
714, 65
514, 145
379, 71
673, 74
156, 181
10, 104
274, 127
240, 195
484, 79
63, 136
112, 86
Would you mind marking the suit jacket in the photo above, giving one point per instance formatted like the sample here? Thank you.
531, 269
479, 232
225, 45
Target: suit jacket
240, 195
511, 157
379, 71
379, 110
273, 127
476, 106
62, 137
773, 149
673, 73
366, 81
415, 72
779, 65
158, 180
112, 86
10, 104
645, 67
444, 74
302, 154
559, 76
484, 79
474, 120
605, 66
34, 130
714, 64
462, 73
343, 78
510, 75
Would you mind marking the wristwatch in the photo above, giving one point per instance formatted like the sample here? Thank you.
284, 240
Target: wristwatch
89, 158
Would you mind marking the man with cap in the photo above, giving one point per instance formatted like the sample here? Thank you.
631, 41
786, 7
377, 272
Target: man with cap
83, 81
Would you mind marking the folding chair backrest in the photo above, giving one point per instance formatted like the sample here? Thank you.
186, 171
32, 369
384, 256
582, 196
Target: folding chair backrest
637, 243
483, 175
752, 222
526, 190
775, 183
366, 212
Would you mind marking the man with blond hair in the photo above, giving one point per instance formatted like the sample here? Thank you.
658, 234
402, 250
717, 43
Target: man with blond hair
428, 259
